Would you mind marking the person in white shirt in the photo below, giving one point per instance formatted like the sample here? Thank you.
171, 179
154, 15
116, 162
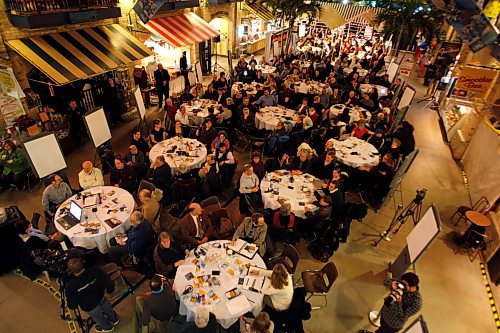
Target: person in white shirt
90, 176
182, 116
278, 288
249, 183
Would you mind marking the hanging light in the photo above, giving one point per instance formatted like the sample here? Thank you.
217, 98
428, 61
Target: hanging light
307, 2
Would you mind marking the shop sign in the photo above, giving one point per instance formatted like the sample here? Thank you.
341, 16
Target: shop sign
11, 108
9, 84
448, 50
476, 81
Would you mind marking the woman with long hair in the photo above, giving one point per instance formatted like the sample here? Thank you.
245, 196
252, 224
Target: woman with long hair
278, 288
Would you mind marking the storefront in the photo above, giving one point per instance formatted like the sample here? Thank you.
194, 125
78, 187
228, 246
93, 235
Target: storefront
256, 21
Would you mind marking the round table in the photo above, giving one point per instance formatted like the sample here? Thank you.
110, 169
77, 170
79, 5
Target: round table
354, 112
231, 268
176, 150
366, 88
356, 153
198, 109
249, 88
478, 219
362, 72
276, 186
266, 69
93, 232
311, 87
268, 117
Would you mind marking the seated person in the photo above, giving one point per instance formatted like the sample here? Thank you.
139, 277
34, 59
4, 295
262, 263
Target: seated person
257, 165
160, 174
33, 238
139, 142
260, 324
54, 195
182, 116
249, 183
377, 139
377, 178
210, 176
195, 227
14, 165
278, 288
137, 240
136, 159
183, 173
158, 305
248, 121
158, 133
334, 191
227, 164
221, 139
300, 164
283, 227
149, 208
277, 163
316, 220
168, 255
360, 131
207, 134
123, 176
253, 230
90, 176
204, 322
324, 165
178, 130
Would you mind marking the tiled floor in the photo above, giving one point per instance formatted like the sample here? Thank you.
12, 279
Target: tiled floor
453, 291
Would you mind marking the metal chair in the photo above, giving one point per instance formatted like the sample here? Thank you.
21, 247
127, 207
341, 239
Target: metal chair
289, 257
319, 282
147, 185
115, 274
480, 206
210, 201
474, 242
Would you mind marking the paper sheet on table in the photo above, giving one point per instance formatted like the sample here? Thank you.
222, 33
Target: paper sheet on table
227, 283
238, 305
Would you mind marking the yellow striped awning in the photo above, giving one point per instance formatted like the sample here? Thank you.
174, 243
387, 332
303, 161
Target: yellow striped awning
73, 55
259, 10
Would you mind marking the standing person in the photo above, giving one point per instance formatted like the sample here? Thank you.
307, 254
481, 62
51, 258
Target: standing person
87, 291
162, 81
184, 69
13, 165
395, 313
112, 103
75, 115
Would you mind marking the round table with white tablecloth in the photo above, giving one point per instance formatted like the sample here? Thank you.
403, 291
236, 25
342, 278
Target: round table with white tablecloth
249, 88
198, 109
278, 186
266, 69
354, 112
177, 150
213, 274
366, 87
356, 153
311, 87
268, 117
111, 217
362, 72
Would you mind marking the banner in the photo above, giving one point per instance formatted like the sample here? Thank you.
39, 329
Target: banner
146, 9
11, 108
476, 81
9, 84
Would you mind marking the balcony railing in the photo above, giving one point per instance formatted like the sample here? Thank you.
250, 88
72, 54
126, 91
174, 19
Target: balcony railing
51, 6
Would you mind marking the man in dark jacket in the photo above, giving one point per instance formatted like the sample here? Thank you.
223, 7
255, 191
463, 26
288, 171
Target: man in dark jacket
160, 174
136, 242
86, 290
183, 65
162, 81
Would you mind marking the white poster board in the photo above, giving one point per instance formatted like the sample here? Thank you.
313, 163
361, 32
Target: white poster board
44, 154
140, 102
418, 326
199, 72
423, 233
392, 70
407, 97
97, 126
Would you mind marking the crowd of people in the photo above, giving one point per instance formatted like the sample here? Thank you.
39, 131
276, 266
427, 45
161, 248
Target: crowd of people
304, 146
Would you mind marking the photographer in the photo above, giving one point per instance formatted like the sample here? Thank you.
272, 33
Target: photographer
404, 301
86, 290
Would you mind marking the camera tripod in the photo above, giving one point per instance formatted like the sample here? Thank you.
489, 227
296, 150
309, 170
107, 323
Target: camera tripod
85, 325
413, 209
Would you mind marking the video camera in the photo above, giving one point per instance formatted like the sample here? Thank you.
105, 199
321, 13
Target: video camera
395, 294
55, 261
420, 196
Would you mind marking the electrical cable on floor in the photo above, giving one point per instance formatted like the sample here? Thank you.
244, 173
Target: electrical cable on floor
490, 296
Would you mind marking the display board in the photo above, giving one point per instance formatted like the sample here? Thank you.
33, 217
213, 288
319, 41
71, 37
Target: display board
423, 233
199, 72
44, 154
418, 326
230, 62
399, 176
407, 97
140, 102
392, 70
97, 126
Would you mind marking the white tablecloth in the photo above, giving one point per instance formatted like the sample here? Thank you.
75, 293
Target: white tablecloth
362, 72
202, 105
302, 191
196, 150
217, 259
354, 112
268, 117
382, 91
311, 87
365, 155
121, 202
266, 69
249, 88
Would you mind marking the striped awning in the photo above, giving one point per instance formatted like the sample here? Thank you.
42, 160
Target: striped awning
337, 14
259, 10
181, 30
73, 55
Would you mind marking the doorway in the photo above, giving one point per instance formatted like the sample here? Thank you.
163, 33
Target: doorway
221, 47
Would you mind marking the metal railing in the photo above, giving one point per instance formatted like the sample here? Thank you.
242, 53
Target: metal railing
50, 6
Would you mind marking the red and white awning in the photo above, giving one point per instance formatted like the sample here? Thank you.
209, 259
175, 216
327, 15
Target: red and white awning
181, 30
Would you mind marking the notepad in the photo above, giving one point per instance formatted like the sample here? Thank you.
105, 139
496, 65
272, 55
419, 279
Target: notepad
248, 250
238, 305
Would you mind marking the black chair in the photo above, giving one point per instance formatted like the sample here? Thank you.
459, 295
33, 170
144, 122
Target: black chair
35, 220
479, 206
210, 201
319, 282
184, 189
289, 258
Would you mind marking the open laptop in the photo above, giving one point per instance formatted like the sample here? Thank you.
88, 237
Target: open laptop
73, 218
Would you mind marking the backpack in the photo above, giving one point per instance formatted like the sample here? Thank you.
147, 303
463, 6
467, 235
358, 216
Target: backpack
356, 211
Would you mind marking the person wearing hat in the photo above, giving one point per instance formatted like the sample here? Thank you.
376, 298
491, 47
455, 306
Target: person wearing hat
253, 230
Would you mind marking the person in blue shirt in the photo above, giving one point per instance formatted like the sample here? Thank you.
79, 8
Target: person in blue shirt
267, 100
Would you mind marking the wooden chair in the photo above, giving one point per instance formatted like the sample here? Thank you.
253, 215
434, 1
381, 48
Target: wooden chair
319, 282
289, 258
480, 206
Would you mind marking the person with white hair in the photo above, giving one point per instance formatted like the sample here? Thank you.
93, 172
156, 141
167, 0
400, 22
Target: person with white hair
204, 322
90, 176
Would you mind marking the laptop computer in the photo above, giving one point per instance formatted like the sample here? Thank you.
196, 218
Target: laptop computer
73, 218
